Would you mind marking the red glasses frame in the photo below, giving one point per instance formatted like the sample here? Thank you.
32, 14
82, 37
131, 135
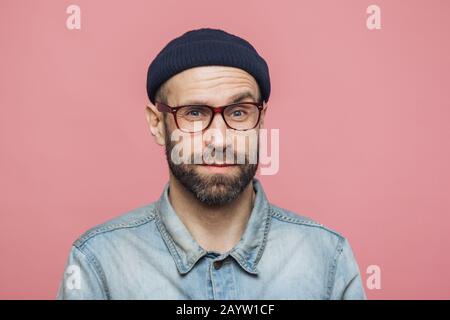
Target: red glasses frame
162, 107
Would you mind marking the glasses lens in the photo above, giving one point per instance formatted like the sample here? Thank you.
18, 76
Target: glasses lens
193, 118
242, 116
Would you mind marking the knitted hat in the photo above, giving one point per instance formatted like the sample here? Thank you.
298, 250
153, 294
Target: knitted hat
206, 47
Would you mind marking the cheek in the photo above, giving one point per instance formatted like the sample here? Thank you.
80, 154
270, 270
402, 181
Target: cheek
246, 143
172, 133
169, 123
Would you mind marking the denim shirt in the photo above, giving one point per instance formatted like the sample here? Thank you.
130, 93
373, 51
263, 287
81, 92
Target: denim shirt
148, 253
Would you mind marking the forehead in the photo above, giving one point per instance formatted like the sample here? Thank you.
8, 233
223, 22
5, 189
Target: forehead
210, 85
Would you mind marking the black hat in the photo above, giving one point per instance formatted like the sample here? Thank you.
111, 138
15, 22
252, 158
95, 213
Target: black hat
207, 47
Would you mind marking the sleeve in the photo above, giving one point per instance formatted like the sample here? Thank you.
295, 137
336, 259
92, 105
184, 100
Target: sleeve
82, 278
347, 278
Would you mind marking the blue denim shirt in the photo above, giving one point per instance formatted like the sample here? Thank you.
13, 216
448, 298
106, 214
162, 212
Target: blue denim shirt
148, 253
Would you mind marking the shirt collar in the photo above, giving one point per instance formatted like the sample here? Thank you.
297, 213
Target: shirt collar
186, 251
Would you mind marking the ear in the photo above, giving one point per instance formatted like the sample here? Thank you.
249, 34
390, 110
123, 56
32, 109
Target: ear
263, 114
156, 124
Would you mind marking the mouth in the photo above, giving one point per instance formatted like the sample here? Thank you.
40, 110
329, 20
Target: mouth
218, 168
218, 165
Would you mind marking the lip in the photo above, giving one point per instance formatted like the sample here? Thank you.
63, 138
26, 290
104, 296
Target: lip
218, 165
218, 168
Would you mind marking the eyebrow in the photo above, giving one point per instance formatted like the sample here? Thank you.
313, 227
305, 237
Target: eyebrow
234, 99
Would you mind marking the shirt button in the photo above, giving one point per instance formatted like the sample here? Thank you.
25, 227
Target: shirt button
218, 264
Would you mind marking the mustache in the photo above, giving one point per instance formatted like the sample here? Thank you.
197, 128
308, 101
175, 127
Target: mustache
212, 155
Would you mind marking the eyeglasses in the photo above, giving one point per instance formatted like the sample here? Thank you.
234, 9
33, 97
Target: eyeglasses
195, 118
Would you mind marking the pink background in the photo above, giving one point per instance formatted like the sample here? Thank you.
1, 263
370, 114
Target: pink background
366, 153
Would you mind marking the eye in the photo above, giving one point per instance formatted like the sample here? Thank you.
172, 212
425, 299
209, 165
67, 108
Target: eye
237, 113
194, 113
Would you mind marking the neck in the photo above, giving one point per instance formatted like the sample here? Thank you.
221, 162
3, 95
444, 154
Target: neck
214, 228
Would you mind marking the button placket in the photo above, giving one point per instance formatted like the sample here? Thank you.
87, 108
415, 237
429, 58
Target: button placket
222, 278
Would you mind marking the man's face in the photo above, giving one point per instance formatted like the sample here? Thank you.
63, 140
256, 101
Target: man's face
213, 184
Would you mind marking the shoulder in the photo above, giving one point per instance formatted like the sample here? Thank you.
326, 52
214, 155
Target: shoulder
127, 222
296, 225
322, 250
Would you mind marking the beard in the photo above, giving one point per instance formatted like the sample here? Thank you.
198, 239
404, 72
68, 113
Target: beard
213, 190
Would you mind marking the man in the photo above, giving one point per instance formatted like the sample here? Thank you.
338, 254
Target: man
212, 234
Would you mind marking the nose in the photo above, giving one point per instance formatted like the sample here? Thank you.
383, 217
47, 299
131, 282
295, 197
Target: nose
217, 121
217, 129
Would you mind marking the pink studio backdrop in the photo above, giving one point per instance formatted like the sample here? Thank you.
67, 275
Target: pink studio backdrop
364, 149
